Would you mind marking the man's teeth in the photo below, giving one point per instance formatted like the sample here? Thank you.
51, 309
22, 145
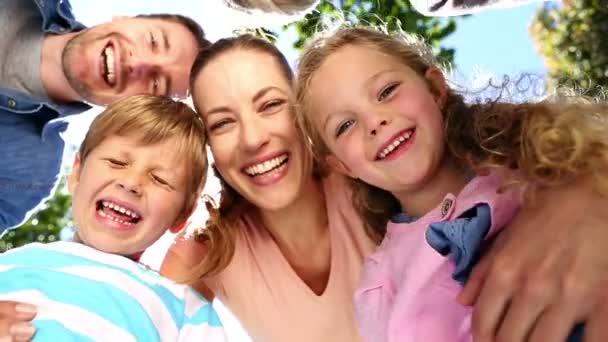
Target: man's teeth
266, 166
390, 148
119, 209
109, 60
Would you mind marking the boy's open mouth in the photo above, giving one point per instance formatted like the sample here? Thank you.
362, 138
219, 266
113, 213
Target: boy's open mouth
118, 213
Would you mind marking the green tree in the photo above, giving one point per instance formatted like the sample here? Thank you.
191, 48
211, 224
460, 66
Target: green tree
44, 226
391, 13
573, 39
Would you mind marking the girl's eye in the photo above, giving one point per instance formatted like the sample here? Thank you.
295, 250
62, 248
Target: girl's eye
343, 126
386, 92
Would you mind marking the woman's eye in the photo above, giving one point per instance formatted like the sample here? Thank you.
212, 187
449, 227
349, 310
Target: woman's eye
219, 124
386, 92
343, 127
272, 105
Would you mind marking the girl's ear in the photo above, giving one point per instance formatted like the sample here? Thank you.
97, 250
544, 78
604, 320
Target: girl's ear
338, 166
438, 84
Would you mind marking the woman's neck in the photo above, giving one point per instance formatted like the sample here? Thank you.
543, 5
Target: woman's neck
301, 223
449, 178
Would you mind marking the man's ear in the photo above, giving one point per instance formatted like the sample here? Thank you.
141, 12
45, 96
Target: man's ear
338, 166
438, 84
74, 177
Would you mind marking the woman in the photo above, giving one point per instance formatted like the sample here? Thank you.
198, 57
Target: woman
297, 242
284, 249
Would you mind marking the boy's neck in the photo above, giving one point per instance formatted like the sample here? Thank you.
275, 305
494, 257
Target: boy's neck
449, 178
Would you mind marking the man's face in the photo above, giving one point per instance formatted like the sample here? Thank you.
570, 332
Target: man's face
130, 56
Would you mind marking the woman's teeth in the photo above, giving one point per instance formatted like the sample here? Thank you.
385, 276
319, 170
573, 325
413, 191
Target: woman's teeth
398, 141
266, 166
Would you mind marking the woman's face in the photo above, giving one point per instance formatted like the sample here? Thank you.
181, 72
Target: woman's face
245, 101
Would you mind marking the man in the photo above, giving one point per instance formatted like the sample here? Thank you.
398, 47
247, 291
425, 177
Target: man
51, 66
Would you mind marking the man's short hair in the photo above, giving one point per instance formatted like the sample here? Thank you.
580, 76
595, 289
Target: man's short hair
190, 24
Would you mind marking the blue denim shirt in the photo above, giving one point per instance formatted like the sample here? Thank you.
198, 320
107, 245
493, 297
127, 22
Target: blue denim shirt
30, 144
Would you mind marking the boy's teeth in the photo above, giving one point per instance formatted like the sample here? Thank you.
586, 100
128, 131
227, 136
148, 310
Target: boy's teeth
120, 209
266, 166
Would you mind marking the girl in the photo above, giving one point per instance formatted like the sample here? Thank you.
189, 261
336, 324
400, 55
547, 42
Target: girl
411, 144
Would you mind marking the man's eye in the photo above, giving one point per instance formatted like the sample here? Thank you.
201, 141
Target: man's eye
344, 126
155, 86
153, 41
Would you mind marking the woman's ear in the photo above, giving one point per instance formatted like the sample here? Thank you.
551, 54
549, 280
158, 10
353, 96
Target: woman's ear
438, 85
338, 166
74, 177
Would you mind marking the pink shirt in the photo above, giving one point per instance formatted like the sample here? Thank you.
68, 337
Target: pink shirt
407, 292
273, 304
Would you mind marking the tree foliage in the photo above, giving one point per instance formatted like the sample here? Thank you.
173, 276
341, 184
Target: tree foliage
44, 226
392, 14
573, 39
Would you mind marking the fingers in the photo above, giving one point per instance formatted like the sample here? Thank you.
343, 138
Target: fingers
474, 284
16, 331
491, 305
14, 321
596, 329
18, 311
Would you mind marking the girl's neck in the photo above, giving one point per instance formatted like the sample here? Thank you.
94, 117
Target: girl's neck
449, 178
302, 222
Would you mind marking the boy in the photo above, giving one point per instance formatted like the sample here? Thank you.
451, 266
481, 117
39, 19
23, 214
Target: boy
138, 173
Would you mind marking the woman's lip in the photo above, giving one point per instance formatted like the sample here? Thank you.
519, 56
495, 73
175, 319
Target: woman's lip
264, 158
271, 177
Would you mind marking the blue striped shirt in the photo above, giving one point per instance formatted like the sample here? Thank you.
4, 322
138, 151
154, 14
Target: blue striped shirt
83, 294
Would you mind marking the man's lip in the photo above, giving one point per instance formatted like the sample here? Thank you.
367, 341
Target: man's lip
264, 158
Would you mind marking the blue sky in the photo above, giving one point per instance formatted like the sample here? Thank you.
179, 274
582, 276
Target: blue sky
497, 40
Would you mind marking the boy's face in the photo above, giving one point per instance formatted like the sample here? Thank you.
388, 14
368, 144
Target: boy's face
126, 195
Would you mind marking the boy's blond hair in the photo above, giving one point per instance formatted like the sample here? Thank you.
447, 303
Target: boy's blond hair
154, 119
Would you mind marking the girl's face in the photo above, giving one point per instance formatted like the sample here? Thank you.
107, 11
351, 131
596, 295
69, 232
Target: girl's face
245, 101
379, 118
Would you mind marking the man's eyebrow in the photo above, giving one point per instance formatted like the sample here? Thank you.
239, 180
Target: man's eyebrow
165, 39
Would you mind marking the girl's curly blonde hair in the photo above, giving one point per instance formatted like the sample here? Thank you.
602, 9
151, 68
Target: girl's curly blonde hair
546, 143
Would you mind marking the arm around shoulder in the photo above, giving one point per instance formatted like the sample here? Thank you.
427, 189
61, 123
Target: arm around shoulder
181, 259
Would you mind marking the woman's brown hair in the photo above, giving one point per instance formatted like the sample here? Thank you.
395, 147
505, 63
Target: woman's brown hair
220, 230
